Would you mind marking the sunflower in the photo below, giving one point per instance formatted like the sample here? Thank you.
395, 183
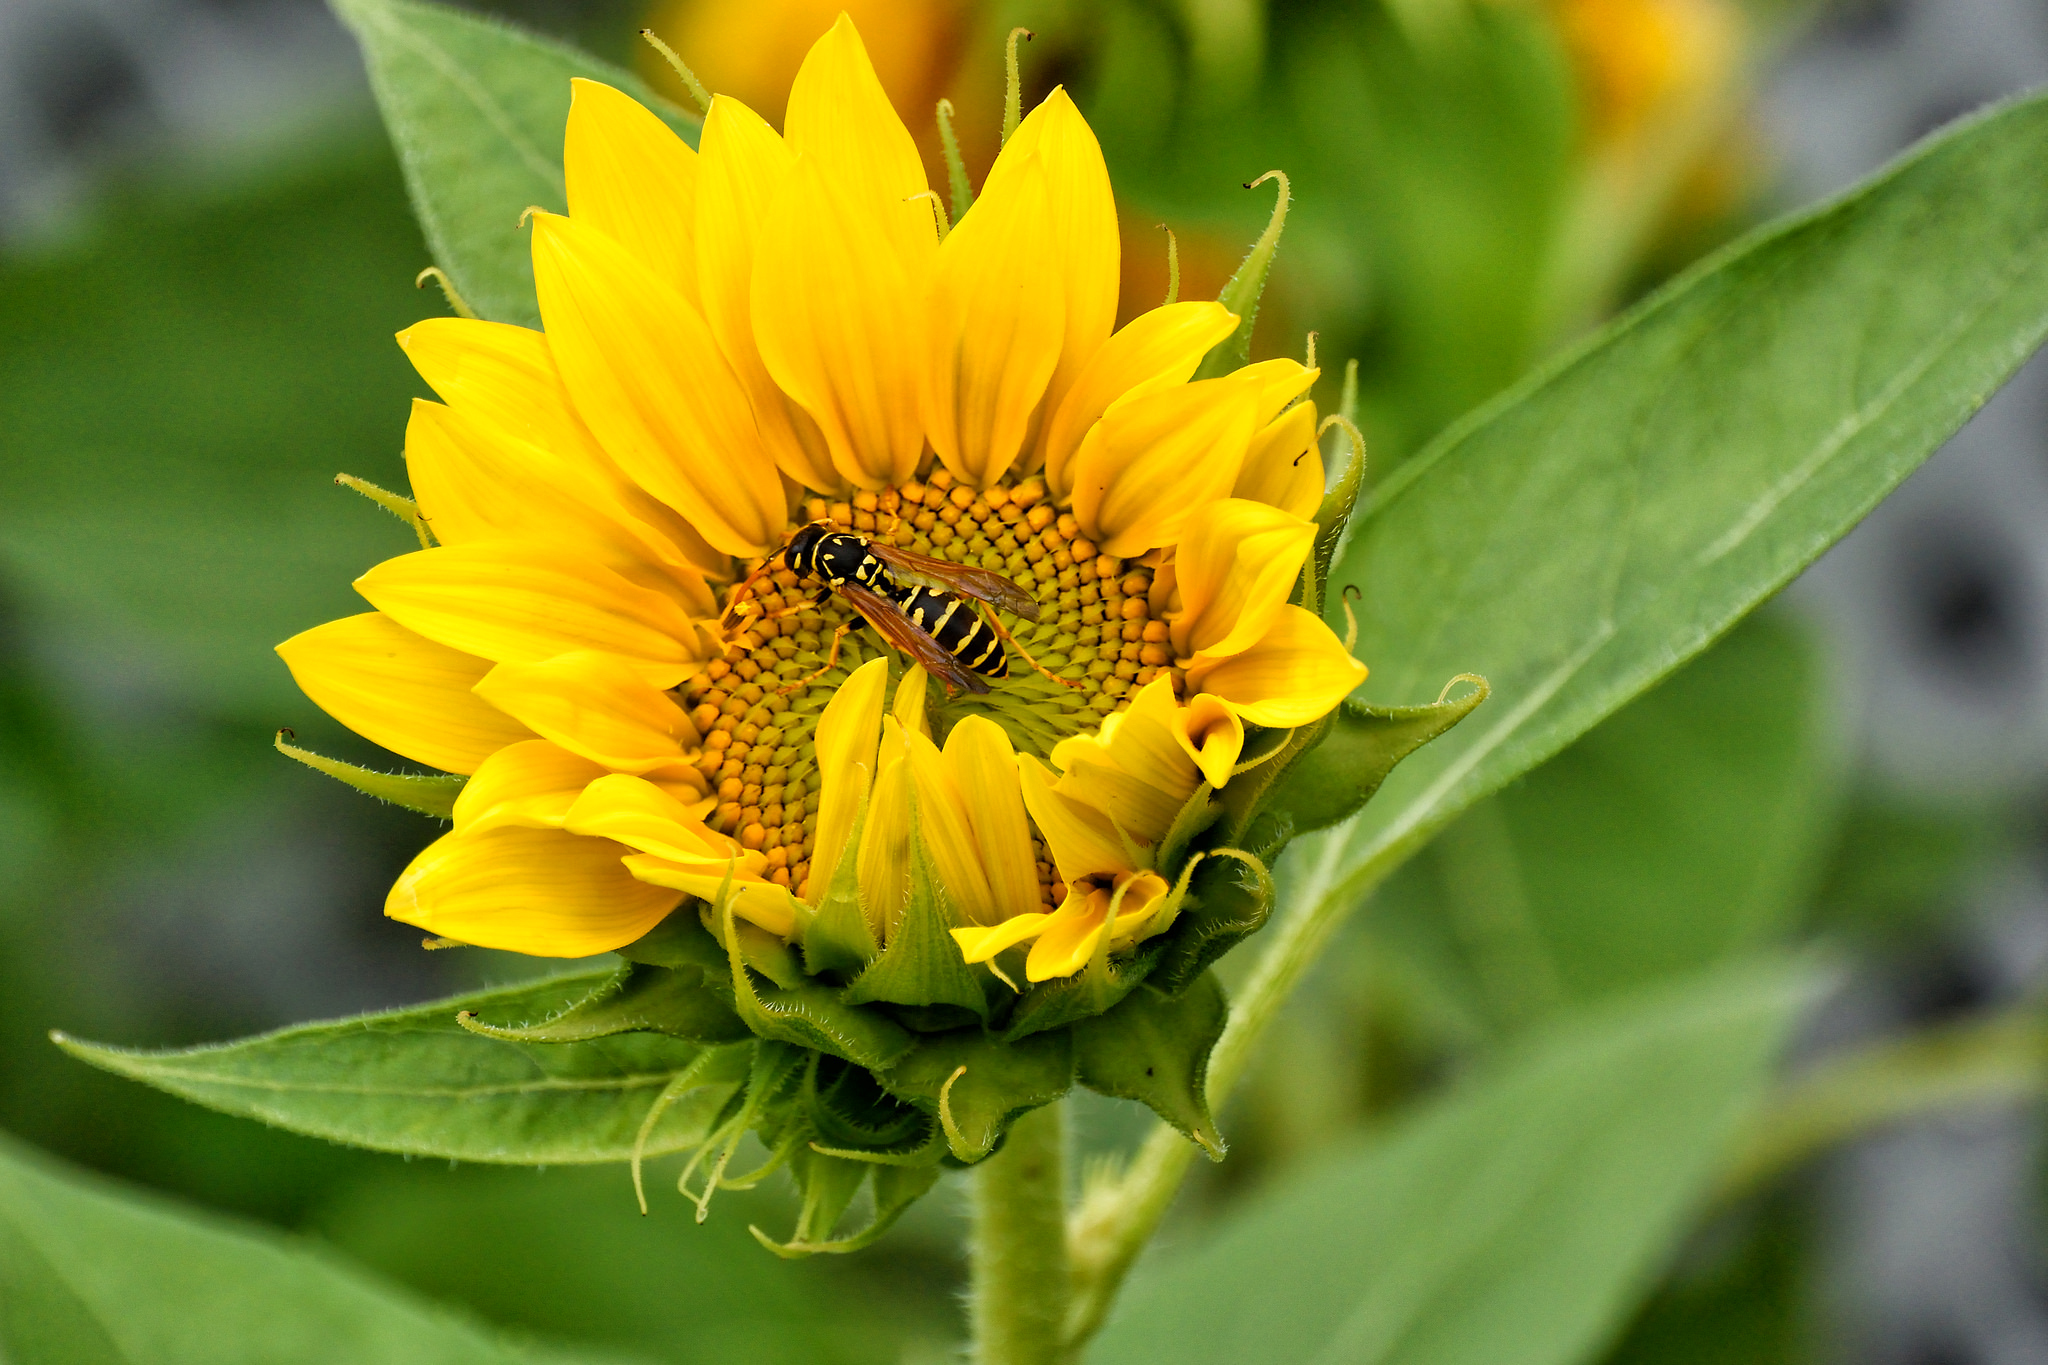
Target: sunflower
774, 331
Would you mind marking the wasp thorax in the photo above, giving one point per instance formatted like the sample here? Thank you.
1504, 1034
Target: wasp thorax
758, 707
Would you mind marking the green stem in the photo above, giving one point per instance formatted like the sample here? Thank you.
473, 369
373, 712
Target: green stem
1117, 1222
1018, 1301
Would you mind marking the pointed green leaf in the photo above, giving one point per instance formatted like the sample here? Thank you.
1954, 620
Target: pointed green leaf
1517, 1219
1608, 518
895, 1188
91, 1274
850, 1110
1230, 897
1241, 294
985, 1082
413, 1081
816, 1016
1154, 1048
639, 999
922, 965
428, 793
477, 109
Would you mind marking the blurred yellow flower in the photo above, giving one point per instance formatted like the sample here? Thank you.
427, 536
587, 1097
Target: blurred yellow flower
773, 331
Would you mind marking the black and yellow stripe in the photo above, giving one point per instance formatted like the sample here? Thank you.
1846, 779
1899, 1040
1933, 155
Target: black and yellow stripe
836, 558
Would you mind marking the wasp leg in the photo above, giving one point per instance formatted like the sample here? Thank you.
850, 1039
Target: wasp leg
739, 594
831, 658
1011, 640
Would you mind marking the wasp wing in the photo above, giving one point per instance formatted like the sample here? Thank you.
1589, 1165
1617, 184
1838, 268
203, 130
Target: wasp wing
899, 630
924, 571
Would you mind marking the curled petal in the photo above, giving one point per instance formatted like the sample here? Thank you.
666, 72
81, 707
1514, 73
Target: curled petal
1274, 384
630, 177
531, 785
1235, 566
1157, 459
1152, 351
846, 738
995, 326
1284, 467
1212, 735
743, 166
1136, 766
758, 902
840, 324
401, 690
650, 383
519, 603
979, 943
1083, 841
1068, 940
535, 891
596, 706
1296, 674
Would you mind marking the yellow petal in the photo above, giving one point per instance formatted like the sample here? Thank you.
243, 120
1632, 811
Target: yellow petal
532, 785
534, 891
515, 603
845, 745
980, 944
595, 705
840, 324
649, 382
1136, 767
841, 121
885, 842
996, 328
757, 902
1283, 467
983, 767
1275, 382
475, 482
908, 706
1150, 352
1296, 674
1085, 256
643, 816
504, 378
1157, 459
742, 167
1082, 840
630, 177
401, 690
1235, 567
1212, 735
947, 834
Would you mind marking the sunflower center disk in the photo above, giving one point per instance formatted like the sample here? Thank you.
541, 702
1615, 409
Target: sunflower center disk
758, 707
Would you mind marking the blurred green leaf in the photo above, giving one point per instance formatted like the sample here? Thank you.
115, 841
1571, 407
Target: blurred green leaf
477, 110
1686, 828
1607, 519
566, 1253
1509, 1222
92, 1276
182, 387
414, 1081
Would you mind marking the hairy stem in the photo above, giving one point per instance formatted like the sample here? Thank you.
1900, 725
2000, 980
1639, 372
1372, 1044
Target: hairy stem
1018, 1300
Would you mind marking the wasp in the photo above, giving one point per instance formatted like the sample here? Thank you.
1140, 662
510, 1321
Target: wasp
930, 609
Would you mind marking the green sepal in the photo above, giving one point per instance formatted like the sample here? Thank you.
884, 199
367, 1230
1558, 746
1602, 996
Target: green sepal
769, 954
922, 965
1154, 1048
813, 1015
1231, 897
896, 1188
1196, 815
428, 793
682, 942
1241, 295
837, 936
640, 999
848, 1109
1332, 519
976, 1084
1359, 745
